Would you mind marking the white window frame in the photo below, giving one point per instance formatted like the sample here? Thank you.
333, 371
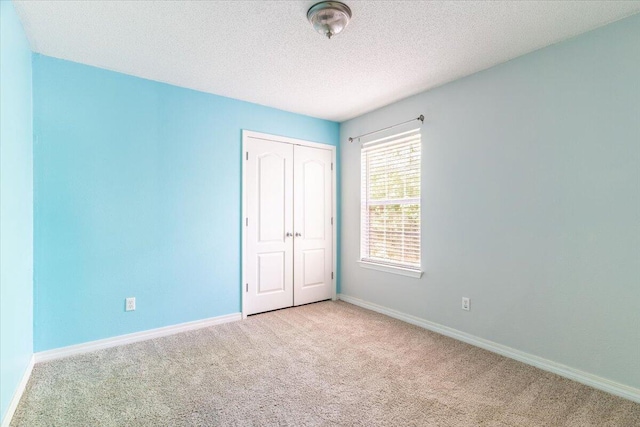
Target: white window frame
383, 266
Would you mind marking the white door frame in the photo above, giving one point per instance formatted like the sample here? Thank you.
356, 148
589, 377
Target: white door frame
286, 140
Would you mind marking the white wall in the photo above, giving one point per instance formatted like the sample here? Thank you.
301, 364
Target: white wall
530, 204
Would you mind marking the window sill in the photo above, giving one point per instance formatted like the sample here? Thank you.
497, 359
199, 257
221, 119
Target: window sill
416, 274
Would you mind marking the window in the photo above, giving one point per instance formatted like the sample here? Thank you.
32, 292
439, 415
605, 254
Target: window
390, 219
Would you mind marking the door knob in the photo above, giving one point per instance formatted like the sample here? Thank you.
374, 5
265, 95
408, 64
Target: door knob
289, 234
298, 235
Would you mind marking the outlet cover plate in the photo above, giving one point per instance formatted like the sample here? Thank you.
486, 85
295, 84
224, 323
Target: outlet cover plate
130, 304
466, 303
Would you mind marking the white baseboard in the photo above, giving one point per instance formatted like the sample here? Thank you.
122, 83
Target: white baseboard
13, 405
72, 350
586, 378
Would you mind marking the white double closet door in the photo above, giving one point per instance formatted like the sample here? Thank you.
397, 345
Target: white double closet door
288, 255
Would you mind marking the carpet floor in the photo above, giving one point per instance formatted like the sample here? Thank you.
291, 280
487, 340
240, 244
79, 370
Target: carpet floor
324, 364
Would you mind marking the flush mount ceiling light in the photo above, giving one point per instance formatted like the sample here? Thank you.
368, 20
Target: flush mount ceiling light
329, 17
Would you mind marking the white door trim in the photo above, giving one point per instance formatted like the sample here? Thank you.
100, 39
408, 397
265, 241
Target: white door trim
286, 140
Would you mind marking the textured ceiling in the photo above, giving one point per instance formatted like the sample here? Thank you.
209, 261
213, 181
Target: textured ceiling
267, 53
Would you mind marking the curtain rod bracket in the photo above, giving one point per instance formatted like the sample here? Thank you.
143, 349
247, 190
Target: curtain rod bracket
420, 117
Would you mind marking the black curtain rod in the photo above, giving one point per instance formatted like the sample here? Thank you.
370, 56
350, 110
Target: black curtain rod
421, 118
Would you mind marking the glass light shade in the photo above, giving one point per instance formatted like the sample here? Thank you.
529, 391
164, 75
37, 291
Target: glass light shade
329, 17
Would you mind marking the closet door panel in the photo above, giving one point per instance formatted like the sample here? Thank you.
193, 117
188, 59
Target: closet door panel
269, 225
312, 180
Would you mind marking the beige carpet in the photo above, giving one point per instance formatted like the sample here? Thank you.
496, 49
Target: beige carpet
324, 364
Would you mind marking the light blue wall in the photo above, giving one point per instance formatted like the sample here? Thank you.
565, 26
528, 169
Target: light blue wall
530, 206
137, 193
16, 205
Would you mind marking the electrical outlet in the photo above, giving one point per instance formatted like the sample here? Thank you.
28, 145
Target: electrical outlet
466, 303
130, 304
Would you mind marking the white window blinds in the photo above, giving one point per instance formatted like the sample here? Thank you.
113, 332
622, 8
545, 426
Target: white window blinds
390, 219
